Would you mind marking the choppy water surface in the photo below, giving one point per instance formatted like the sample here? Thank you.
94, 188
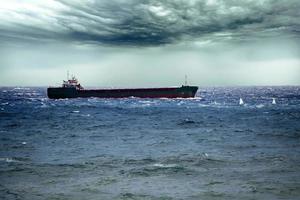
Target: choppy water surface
203, 148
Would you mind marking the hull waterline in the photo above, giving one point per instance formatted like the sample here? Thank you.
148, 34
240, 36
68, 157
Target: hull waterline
172, 92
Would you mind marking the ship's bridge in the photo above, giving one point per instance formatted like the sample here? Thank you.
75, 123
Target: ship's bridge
72, 83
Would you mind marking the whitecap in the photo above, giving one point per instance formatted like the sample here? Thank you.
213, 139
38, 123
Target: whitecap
193, 98
260, 106
196, 98
145, 101
75, 111
8, 160
180, 103
160, 165
216, 103
44, 105
203, 105
17, 88
43, 99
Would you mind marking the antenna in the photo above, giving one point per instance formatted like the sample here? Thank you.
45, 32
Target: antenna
185, 80
67, 74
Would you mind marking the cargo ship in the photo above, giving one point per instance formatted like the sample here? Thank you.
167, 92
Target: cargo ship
73, 89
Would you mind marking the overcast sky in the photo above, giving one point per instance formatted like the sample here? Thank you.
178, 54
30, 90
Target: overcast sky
140, 43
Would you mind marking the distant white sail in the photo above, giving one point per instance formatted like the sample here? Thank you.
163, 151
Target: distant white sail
273, 101
241, 101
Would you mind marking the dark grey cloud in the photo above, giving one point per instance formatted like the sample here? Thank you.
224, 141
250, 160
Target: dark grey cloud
149, 22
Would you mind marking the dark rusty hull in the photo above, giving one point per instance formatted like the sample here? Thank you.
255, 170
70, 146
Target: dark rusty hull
172, 92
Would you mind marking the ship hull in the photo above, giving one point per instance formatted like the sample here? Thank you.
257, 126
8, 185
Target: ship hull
174, 92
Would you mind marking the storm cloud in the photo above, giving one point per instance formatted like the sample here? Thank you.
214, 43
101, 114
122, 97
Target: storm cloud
146, 43
148, 22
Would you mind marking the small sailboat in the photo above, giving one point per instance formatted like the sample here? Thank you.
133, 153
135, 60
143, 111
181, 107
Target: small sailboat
241, 101
273, 101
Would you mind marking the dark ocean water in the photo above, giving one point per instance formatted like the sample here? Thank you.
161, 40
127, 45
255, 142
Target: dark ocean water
203, 148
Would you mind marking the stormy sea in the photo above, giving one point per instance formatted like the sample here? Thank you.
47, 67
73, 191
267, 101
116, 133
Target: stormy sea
227, 143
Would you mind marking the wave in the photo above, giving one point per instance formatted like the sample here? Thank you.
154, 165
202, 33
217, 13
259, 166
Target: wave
260, 106
157, 169
14, 159
160, 165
